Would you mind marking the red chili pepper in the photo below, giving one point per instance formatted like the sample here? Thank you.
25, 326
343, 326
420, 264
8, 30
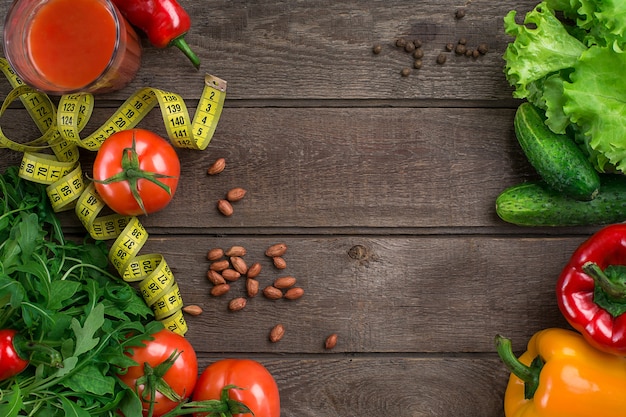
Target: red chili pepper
11, 362
165, 23
13, 349
591, 290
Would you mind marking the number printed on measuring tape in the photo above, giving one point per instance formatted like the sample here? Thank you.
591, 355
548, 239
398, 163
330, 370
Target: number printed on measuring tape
168, 304
64, 192
157, 283
176, 323
127, 245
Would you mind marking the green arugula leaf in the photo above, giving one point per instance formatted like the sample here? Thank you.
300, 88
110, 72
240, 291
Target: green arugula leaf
33, 314
85, 339
69, 364
90, 379
131, 404
13, 403
61, 291
13, 290
72, 409
10, 255
29, 236
36, 269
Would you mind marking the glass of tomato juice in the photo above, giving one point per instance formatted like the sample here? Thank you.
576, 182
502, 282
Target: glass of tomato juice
70, 46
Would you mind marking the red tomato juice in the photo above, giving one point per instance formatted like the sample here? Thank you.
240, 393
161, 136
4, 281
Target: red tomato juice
71, 42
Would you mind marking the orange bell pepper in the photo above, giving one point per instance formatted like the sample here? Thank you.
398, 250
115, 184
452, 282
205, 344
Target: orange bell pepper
561, 375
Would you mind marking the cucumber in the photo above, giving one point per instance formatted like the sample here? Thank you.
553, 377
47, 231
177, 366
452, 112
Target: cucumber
558, 160
535, 203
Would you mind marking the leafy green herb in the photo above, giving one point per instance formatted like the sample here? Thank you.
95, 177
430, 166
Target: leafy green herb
60, 293
568, 58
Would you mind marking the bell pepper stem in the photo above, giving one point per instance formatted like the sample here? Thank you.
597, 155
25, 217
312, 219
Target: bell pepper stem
181, 44
614, 290
37, 352
528, 374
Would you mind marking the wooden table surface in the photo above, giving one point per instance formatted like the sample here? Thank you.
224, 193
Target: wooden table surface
382, 187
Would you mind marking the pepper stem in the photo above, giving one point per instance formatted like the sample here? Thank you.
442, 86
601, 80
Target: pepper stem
37, 352
132, 172
181, 44
528, 374
616, 291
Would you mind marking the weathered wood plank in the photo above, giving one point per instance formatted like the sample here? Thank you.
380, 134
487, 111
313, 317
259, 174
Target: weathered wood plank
339, 386
398, 294
321, 49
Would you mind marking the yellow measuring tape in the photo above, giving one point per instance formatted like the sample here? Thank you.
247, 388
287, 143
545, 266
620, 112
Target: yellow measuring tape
60, 128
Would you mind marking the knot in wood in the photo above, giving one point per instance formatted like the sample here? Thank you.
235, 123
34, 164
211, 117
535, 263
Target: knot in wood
358, 252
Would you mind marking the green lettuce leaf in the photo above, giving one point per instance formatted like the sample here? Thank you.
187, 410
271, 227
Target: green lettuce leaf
595, 102
542, 47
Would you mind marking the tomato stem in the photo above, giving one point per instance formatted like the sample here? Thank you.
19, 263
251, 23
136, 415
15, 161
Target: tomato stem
132, 172
224, 407
153, 381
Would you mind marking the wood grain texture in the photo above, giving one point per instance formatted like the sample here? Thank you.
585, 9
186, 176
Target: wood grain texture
344, 386
382, 186
402, 294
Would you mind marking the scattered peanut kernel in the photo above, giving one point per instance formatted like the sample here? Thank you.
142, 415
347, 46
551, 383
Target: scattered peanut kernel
192, 310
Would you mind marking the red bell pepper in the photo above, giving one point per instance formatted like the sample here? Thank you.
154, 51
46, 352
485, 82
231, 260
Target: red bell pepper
165, 22
591, 289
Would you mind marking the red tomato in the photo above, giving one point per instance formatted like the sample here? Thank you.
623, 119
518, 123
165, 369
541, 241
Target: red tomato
156, 161
181, 377
259, 393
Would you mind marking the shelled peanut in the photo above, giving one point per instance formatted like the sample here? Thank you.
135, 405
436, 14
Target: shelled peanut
228, 266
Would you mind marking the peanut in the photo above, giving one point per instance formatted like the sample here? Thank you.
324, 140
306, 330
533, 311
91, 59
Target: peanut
284, 282
254, 270
279, 262
215, 254
237, 304
331, 341
219, 265
235, 251
272, 292
225, 208
230, 274
215, 277
278, 249
239, 264
192, 310
277, 333
235, 194
294, 293
217, 166
219, 290
252, 287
